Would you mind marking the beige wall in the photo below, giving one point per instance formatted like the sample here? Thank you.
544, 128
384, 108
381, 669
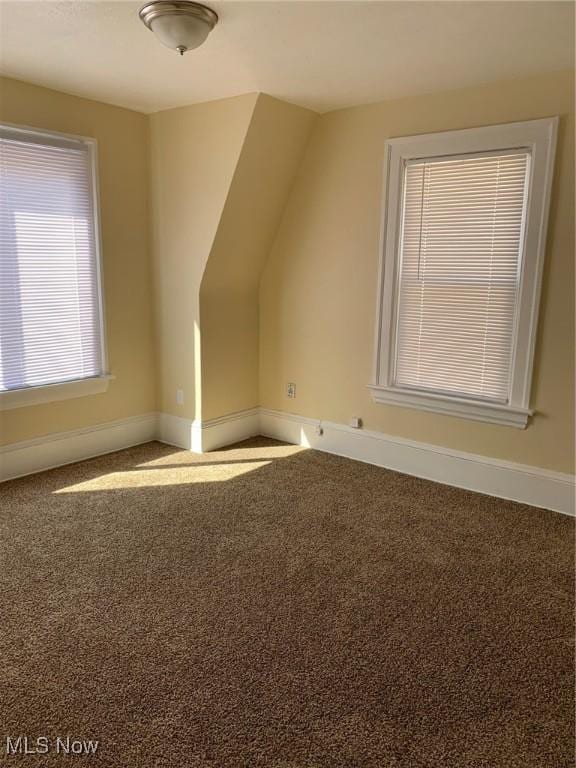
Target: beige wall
318, 291
221, 174
122, 138
270, 157
194, 154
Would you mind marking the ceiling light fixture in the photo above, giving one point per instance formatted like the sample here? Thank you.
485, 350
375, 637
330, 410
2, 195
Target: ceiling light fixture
180, 25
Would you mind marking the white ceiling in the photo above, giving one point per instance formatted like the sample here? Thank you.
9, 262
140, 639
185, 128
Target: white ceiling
322, 55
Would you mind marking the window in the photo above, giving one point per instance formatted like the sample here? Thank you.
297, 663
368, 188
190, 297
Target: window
51, 329
464, 234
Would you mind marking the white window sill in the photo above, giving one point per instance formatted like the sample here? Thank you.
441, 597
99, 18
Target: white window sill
452, 406
49, 393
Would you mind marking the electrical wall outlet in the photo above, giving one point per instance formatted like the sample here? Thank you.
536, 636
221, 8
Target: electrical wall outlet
356, 422
291, 390
179, 397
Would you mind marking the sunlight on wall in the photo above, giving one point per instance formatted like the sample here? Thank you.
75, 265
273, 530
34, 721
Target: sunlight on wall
304, 439
197, 377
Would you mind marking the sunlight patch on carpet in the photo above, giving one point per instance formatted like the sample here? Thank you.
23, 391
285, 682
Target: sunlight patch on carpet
187, 474
189, 459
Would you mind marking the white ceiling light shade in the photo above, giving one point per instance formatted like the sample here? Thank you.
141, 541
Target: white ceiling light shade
180, 25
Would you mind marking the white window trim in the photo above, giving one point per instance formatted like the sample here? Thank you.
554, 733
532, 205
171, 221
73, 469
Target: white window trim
539, 136
50, 393
47, 393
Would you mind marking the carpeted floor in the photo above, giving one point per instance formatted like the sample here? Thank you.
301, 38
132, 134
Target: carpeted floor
269, 606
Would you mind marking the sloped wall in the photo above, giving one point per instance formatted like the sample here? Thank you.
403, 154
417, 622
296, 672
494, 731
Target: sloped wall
229, 317
220, 176
194, 154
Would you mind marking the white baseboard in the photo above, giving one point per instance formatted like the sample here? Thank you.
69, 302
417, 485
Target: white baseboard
202, 436
61, 448
58, 449
518, 482
175, 430
230, 429
508, 480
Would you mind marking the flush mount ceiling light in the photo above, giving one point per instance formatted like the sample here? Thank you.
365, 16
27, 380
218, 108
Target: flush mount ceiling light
180, 25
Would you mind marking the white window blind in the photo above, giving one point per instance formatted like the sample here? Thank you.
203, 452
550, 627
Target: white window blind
50, 317
462, 229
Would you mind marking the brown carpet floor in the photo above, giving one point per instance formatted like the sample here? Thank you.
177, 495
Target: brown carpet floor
269, 606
